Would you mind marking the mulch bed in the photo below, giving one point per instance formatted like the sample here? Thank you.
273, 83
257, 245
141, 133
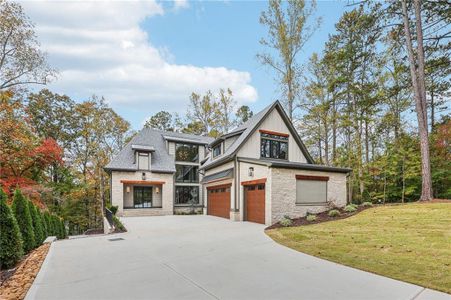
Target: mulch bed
16, 282
320, 218
94, 231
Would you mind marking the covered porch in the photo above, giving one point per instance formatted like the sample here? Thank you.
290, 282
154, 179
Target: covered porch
142, 197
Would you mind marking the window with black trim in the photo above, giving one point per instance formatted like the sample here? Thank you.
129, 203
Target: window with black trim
186, 195
274, 146
217, 150
142, 197
186, 173
186, 152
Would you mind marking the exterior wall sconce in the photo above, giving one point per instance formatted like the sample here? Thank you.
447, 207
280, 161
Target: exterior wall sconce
251, 172
127, 189
157, 190
144, 176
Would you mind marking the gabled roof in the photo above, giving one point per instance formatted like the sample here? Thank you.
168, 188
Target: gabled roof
249, 127
154, 139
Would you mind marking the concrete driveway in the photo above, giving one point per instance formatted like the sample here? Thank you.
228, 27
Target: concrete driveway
202, 257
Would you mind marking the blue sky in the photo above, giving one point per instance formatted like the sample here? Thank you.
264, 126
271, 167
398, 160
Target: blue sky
149, 56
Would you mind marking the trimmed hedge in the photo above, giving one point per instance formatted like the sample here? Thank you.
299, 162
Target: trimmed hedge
22, 213
48, 224
11, 247
37, 224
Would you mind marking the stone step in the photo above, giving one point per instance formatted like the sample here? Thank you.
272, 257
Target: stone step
145, 212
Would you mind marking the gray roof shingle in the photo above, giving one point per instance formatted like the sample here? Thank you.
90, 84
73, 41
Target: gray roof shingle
161, 161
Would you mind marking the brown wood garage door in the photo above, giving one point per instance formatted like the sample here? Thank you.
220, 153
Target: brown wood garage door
255, 203
219, 201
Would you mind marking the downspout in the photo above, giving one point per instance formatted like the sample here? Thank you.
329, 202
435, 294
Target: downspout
237, 187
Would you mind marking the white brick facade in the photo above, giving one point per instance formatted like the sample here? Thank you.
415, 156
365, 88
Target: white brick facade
283, 193
119, 193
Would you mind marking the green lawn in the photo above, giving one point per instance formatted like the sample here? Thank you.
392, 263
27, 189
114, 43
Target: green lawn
410, 242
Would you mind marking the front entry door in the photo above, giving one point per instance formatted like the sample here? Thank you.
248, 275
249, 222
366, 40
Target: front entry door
255, 203
142, 196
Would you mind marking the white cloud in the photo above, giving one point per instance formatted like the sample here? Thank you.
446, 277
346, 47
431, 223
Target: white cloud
180, 4
100, 48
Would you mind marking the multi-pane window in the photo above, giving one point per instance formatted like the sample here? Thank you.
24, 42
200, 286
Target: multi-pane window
186, 152
187, 174
274, 146
186, 195
217, 150
142, 197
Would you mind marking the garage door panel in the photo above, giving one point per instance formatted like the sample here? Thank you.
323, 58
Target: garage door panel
255, 203
219, 201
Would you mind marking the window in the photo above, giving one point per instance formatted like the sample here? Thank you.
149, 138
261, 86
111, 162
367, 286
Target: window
189, 174
311, 192
186, 195
142, 197
274, 146
143, 161
217, 150
186, 152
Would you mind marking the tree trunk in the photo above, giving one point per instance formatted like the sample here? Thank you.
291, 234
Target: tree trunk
417, 75
334, 130
326, 141
367, 144
403, 178
432, 111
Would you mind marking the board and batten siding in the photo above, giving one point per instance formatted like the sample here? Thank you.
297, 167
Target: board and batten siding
273, 122
229, 141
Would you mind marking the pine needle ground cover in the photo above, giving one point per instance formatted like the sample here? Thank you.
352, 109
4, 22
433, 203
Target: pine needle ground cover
410, 242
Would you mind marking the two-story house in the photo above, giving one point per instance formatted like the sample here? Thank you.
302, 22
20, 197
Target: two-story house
258, 172
157, 173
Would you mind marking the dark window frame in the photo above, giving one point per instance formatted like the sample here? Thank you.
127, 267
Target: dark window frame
140, 190
185, 187
190, 147
271, 146
193, 176
215, 148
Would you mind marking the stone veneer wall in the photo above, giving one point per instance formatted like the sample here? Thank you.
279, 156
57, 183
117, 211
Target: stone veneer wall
167, 191
283, 193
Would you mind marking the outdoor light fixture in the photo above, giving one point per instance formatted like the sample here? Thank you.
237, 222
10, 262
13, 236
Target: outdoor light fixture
157, 190
144, 176
127, 189
251, 172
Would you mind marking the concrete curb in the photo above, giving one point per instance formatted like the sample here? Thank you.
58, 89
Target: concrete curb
31, 294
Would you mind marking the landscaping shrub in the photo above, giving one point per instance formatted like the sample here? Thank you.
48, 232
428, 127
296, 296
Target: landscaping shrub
11, 248
23, 217
286, 221
37, 225
56, 225
311, 218
48, 224
63, 229
353, 205
44, 225
113, 209
366, 204
350, 208
333, 213
118, 226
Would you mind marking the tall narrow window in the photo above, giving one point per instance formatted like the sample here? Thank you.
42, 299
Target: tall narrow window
217, 150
